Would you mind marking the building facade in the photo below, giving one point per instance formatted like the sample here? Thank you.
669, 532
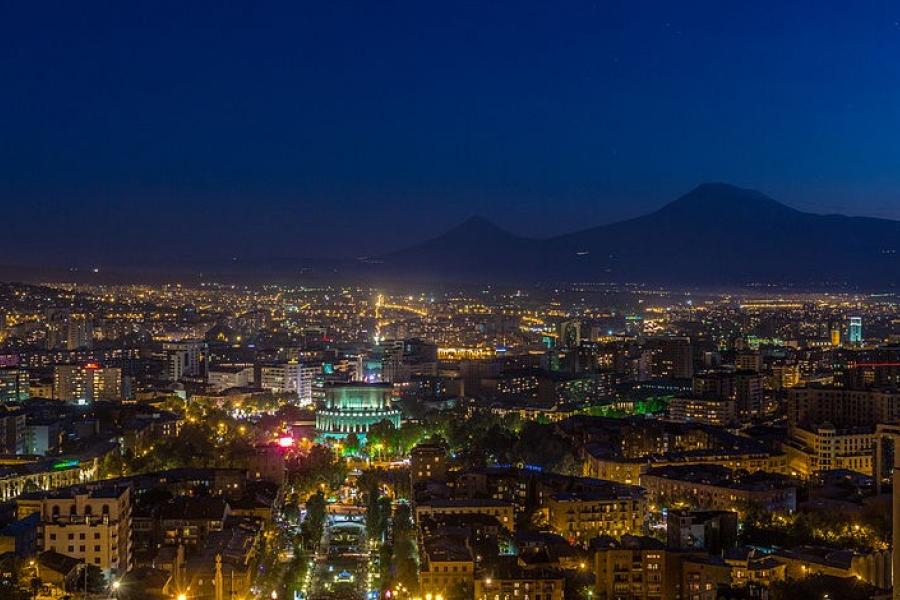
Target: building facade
354, 408
89, 525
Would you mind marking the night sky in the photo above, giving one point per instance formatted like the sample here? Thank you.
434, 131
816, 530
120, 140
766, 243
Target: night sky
146, 131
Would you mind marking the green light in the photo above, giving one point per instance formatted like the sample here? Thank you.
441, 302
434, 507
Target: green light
65, 464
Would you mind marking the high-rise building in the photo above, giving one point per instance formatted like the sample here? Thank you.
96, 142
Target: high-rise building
855, 330
79, 332
290, 377
12, 430
671, 357
743, 387
83, 384
57, 328
405, 358
14, 385
186, 358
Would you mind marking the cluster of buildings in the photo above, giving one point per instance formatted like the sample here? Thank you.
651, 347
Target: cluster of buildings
167, 532
476, 530
684, 414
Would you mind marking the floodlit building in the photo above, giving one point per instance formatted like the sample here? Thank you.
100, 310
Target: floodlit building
354, 408
90, 525
290, 377
855, 330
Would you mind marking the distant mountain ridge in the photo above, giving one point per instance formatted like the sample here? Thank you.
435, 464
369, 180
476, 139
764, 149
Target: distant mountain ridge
716, 234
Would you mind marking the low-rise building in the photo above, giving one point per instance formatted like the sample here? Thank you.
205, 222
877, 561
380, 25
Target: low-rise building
447, 566
813, 449
93, 526
502, 511
634, 567
189, 520
721, 412
223, 378
582, 516
873, 567
711, 530
711, 487
509, 579
428, 462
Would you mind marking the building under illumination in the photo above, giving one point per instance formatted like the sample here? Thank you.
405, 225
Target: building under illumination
855, 330
87, 383
14, 385
354, 407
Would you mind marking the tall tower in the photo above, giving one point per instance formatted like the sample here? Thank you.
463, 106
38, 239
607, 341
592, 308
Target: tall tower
835, 335
855, 330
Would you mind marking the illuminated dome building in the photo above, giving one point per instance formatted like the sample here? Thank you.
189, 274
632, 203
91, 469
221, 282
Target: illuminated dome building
354, 407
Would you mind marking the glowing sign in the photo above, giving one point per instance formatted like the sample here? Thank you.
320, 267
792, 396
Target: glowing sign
65, 464
286, 441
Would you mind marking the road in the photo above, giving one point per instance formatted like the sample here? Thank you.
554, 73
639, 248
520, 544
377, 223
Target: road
341, 565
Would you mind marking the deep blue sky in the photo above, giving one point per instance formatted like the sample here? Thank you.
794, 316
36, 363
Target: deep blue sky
153, 129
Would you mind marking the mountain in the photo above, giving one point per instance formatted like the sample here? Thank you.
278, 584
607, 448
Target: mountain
473, 250
716, 234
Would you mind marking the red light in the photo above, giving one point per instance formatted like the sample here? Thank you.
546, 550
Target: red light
92, 365
286, 441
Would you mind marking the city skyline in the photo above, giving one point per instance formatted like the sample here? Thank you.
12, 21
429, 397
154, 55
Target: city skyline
395, 300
